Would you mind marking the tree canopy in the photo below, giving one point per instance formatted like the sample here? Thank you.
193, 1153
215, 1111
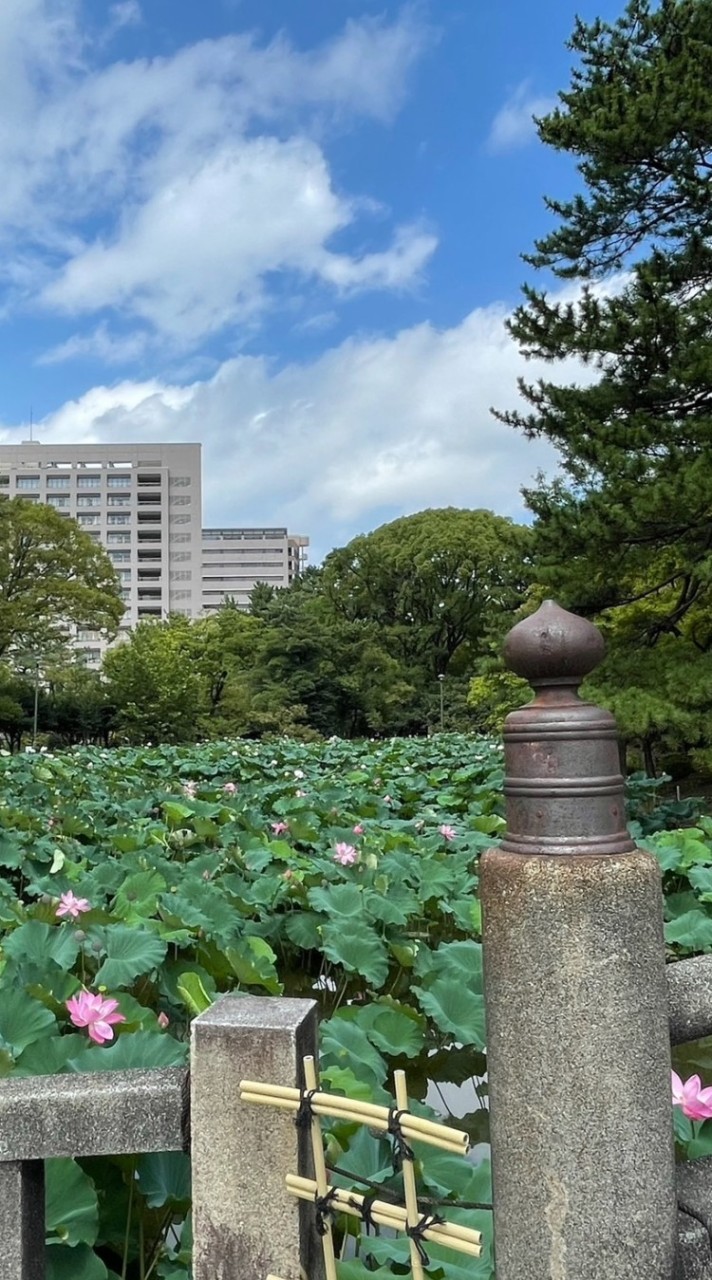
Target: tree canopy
52, 576
631, 519
627, 527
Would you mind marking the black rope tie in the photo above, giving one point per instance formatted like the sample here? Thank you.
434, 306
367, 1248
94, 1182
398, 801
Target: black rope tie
324, 1211
365, 1210
417, 1233
401, 1150
305, 1110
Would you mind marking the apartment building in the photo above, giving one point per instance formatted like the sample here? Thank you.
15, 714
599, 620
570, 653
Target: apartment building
235, 560
141, 502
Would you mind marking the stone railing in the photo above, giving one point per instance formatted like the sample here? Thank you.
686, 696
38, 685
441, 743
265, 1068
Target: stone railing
239, 1155
581, 1010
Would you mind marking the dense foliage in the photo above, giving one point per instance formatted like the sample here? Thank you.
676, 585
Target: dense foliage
344, 871
625, 532
52, 575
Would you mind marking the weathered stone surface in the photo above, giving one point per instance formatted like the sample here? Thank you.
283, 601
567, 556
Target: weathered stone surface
102, 1113
579, 1068
22, 1233
694, 1253
245, 1224
690, 999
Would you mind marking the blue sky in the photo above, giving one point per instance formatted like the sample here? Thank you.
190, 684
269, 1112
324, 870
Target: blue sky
290, 229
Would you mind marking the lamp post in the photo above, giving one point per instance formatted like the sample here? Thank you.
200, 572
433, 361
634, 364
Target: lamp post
441, 679
35, 713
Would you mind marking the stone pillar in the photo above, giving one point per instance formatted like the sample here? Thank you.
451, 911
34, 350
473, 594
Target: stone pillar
576, 999
245, 1225
22, 1220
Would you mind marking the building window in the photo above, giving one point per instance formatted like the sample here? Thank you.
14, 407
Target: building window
54, 501
118, 500
86, 520
179, 500
125, 594
58, 482
179, 482
124, 574
180, 595
118, 482
181, 575
85, 501
90, 655
179, 555
115, 519
27, 482
179, 537
117, 539
88, 635
119, 557
88, 482
180, 519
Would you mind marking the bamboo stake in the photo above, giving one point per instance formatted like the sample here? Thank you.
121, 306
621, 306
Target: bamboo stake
284, 1104
364, 1112
322, 1185
450, 1235
409, 1186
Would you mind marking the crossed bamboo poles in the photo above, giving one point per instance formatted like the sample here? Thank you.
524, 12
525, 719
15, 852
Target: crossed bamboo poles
405, 1127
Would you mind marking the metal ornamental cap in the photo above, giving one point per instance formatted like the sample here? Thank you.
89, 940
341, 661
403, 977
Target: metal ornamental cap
563, 785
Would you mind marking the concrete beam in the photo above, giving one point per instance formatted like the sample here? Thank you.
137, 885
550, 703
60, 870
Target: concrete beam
94, 1114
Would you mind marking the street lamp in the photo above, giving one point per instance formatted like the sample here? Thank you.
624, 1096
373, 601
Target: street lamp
441, 678
37, 703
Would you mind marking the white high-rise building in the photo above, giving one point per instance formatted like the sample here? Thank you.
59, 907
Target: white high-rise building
141, 502
235, 560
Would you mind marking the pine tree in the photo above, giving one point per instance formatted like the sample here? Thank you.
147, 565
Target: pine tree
628, 524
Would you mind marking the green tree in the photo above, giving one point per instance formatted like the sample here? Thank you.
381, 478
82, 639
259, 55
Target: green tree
436, 584
328, 671
625, 533
77, 706
630, 520
52, 576
156, 688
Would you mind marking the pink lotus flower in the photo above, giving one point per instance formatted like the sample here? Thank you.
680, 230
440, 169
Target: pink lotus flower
279, 828
230, 788
388, 800
163, 1020
300, 794
358, 829
695, 1101
189, 788
299, 773
345, 854
447, 833
71, 906
96, 1014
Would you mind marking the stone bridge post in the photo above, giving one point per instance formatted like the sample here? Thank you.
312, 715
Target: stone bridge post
576, 996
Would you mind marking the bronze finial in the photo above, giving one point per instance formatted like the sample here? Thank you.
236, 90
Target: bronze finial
563, 783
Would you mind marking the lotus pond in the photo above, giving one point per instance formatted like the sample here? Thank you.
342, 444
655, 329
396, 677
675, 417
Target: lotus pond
159, 878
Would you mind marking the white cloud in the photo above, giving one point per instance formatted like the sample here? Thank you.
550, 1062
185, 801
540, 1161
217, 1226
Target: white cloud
513, 126
193, 258
373, 428
172, 189
101, 345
